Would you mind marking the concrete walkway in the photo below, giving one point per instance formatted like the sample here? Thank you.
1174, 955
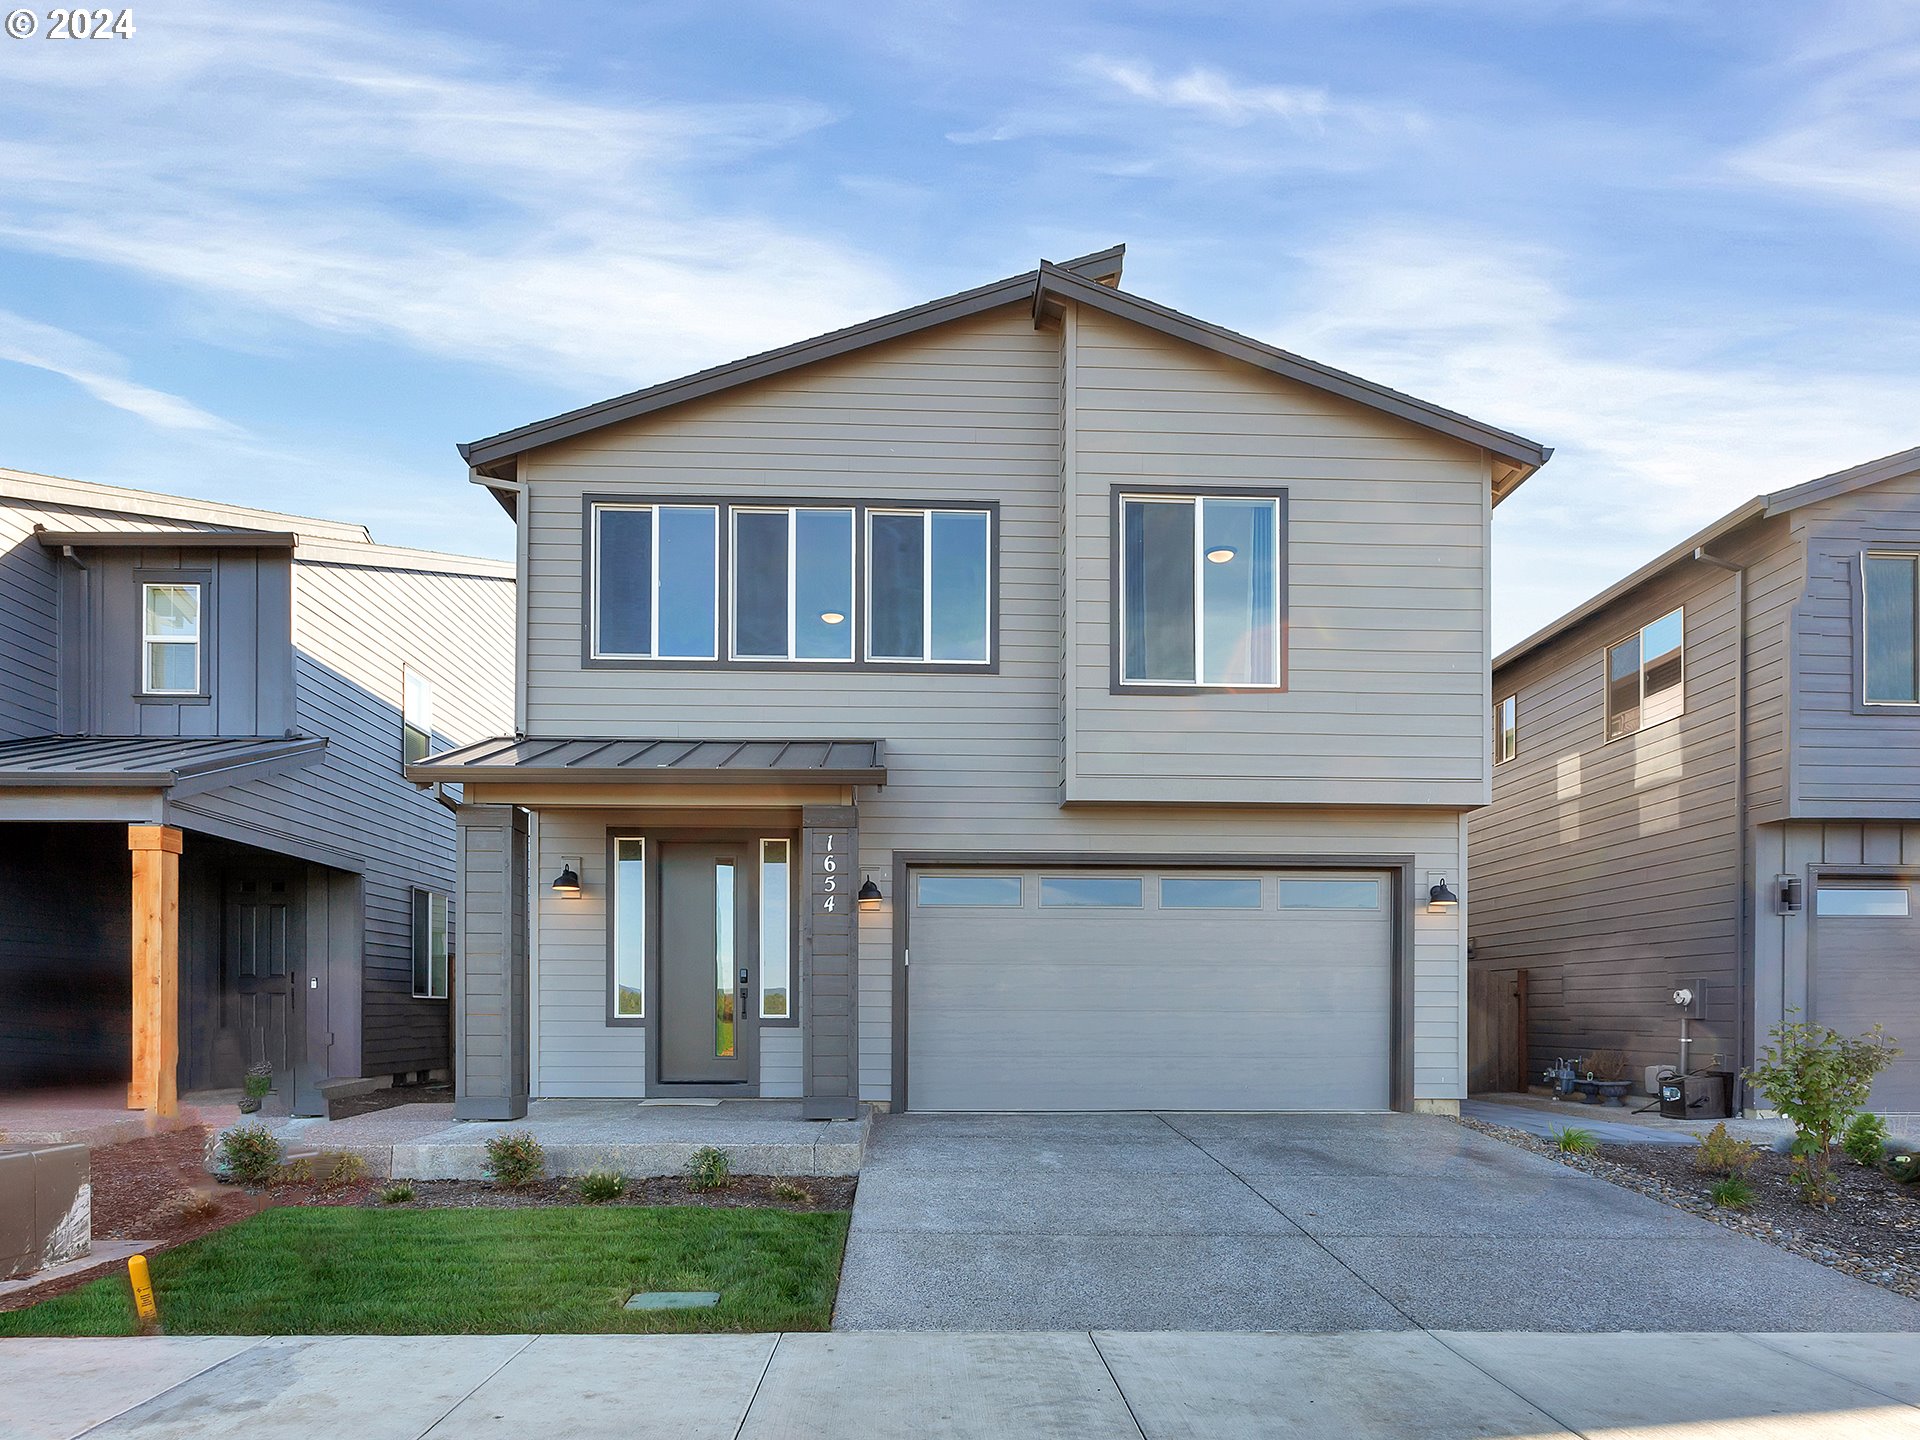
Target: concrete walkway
1612, 1125
1293, 1222
1133, 1386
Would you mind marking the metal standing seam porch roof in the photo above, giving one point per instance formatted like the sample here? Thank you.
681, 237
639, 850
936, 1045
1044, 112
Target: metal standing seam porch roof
598, 760
179, 766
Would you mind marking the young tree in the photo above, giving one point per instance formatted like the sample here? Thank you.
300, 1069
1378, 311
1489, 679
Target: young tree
1819, 1079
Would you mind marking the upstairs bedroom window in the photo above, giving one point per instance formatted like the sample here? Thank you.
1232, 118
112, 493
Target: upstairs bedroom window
769, 585
1198, 589
1890, 642
416, 715
1646, 676
170, 639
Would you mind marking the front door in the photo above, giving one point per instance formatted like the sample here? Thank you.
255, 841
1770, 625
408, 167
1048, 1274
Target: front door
264, 931
707, 964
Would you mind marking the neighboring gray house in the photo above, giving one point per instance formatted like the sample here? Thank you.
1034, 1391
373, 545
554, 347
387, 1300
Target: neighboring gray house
1644, 838
856, 761
229, 694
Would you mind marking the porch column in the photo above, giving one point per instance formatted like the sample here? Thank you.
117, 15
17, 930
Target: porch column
830, 963
156, 968
490, 970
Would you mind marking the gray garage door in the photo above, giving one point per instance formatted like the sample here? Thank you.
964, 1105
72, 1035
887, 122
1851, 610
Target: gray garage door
1142, 990
1866, 971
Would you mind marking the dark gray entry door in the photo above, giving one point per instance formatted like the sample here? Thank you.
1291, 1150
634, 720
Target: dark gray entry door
708, 947
265, 963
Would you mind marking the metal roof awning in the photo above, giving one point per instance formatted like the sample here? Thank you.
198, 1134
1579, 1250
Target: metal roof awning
180, 767
153, 538
599, 761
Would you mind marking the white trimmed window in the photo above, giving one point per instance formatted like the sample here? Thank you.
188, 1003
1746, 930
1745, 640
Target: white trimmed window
628, 983
1505, 730
928, 586
1199, 590
792, 583
1890, 629
416, 715
170, 639
776, 930
655, 572
1646, 676
432, 942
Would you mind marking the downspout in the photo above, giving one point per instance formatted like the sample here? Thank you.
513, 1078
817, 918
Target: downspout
1743, 1021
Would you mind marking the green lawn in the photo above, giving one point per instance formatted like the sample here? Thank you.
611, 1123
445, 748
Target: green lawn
333, 1271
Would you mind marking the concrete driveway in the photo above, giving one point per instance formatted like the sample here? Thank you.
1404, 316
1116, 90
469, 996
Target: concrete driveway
1293, 1222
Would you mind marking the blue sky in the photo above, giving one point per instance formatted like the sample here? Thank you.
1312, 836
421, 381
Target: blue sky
289, 255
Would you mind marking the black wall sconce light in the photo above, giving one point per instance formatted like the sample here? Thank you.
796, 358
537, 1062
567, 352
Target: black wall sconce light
1789, 898
567, 882
869, 896
1440, 898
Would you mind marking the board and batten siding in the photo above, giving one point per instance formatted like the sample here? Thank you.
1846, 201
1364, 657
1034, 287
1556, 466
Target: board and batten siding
976, 762
1385, 556
1850, 761
1610, 871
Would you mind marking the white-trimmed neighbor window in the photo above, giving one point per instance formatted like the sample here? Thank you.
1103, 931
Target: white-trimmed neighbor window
432, 939
1646, 676
1505, 731
1890, 629
416, 715
655, 576
1199, 590
792, 583
927, 585
170, 639
776, 930
628, 981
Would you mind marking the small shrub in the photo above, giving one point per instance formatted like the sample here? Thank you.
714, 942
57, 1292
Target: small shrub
599, 1186
1865, 1139
1721, 1154
250, 1154
341, 1169
1902, 1165
515, 1160
400, 1192
792, 1192
295, 1172
1575, 1141
1819, 1079
709, 1169
1733, 1192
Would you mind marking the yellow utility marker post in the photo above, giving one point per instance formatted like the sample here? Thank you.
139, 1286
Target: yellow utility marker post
143, 1292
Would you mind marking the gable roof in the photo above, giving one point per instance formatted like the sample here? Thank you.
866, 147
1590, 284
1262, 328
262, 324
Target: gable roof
1090, 279
1761, 507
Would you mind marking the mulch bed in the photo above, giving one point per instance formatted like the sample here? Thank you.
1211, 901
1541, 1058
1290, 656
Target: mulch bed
157, 1190
1872, 1232
387, 1097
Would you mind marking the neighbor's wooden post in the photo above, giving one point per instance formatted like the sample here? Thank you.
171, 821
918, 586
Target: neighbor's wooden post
156, 967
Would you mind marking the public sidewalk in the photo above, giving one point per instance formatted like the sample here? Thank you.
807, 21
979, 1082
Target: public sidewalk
1128, 1385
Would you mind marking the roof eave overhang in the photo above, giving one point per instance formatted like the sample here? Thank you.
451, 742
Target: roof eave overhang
167, 539
182, 780
600, 779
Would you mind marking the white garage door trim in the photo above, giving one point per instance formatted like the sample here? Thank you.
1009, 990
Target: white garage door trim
1398, 874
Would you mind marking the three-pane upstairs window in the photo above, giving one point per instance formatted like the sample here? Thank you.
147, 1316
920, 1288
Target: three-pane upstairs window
792, 584
1199, 590
655, 573
928, 593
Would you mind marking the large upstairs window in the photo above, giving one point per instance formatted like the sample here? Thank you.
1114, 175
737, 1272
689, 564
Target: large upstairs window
1199, 589
880, 585
1890, 621
1646, 676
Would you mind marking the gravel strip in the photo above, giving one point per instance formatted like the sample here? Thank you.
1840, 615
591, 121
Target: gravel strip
1873, 1234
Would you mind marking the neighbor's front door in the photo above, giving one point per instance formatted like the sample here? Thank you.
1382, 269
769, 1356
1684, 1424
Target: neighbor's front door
707, 963
264, 964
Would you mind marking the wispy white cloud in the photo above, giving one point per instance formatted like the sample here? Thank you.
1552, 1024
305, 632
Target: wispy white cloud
101, 373
329, 168
1654, 437
1213, 95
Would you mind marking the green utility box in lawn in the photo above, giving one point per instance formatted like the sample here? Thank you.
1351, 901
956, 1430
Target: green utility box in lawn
46, 1207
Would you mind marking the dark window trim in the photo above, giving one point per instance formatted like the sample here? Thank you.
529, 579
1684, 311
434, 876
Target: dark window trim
174, 575
796, 906
612, 1017
724, 584
1606, 679
1400, 888
422, 934
1282, 676
1854, 559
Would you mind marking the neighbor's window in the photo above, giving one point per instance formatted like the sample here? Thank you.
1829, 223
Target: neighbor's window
431, 940
1645, 676
1329, 894
927, 585
171, 638
629, 929
776, 930
1505, 739
1891, 639
969, 890
1859, 901
416, 715
655, 570
1199, 590
792, 584
1102, 890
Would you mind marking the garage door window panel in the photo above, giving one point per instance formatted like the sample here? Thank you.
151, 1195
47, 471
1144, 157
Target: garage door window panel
1329, 894
1104, 891
1206, 893
1861, 902
985, 891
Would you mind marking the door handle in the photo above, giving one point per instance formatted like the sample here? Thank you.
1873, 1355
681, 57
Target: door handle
746, 979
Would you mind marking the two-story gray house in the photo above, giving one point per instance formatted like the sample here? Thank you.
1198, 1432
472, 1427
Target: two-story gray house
1708, 778
210, 857
1037, 699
